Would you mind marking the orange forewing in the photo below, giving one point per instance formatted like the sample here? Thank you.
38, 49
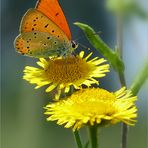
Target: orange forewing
53, 11
34, 20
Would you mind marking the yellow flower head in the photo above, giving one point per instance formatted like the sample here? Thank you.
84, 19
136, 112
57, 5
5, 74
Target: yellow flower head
94, 106
63, 72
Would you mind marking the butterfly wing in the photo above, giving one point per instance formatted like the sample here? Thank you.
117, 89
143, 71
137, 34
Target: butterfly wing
35, 20
38, 44
36, 28
48, 21
53, 11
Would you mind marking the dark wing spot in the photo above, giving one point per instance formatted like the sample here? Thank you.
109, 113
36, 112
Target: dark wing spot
27, 47
46, 26
55, 42
34, 25
57, 14
58, 36
35, 33
52, 30
48, 38
36, 17
34, 20
32, 29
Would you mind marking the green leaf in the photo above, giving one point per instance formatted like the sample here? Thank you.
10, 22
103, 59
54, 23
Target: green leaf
102, 47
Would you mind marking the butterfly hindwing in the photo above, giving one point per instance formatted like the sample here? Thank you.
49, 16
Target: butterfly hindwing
38, 44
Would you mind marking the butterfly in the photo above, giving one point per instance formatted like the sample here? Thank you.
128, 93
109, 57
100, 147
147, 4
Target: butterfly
44, 31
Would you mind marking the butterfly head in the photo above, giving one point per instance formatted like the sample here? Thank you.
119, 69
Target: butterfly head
74, 45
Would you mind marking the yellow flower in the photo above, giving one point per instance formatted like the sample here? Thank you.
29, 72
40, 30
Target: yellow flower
63, 72
93, 106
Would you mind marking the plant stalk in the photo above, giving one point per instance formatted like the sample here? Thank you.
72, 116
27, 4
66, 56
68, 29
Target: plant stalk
140, 79
93, 133
77, 139
124, 130
119, 35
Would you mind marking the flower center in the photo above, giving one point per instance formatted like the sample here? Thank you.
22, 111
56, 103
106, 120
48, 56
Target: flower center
93, 95
97, 101
67, 70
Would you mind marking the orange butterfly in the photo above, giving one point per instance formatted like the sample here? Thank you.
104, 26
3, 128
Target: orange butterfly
44, 31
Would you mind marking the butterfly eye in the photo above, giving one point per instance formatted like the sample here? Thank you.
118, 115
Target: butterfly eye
74, 44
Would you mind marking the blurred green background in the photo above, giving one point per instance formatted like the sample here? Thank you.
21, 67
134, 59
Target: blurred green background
23, 122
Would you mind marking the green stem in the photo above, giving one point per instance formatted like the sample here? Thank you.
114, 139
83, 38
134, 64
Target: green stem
122, 78
78, 139
124, 130
140, 80
124, 135
93, 132
119, 34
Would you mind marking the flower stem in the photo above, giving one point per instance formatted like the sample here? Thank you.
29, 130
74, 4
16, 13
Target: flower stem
140, 80
124, 130
119, 34
93, 130
78, 139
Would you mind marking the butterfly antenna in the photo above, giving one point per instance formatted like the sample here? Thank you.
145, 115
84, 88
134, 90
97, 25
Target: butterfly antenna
80, 37
83, 46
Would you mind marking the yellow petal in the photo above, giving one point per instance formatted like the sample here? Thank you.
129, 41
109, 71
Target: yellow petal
51, 87
81, 54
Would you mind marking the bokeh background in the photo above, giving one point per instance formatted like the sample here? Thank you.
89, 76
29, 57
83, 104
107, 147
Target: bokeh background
23, 122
